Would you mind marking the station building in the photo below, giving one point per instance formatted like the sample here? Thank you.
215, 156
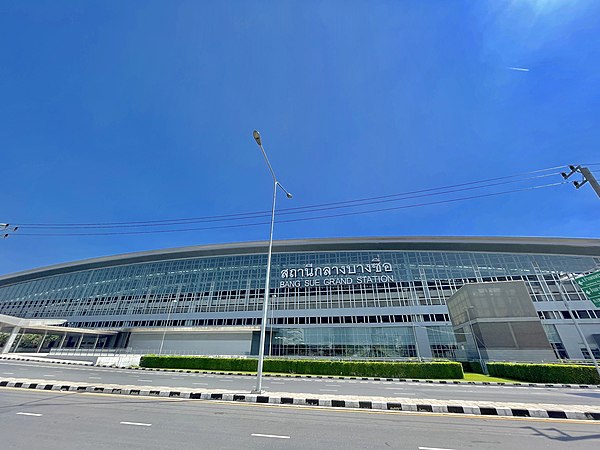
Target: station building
375, 297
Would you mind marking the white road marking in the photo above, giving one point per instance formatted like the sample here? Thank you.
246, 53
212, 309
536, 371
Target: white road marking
201, 383
28, 414
144, 380
139, 424
328, 390
434, 448
8, 373
95, 378
277, 382
48, 375
333, 385
269, 436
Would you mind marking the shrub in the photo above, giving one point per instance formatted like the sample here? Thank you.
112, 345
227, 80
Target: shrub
545, 373
315, 367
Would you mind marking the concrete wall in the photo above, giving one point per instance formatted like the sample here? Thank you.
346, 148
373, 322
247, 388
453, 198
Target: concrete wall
191, 343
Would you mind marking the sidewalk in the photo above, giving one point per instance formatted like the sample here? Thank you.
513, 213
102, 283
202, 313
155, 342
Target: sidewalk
481, 408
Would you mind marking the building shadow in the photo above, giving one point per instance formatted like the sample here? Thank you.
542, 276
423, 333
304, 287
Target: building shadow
558, 435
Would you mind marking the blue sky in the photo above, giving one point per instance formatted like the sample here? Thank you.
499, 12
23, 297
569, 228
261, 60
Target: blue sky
144, 110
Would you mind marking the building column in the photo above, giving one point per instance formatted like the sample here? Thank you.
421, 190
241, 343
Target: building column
20, 338
62, 341
96, 341
11, 339
41, 342
79, 341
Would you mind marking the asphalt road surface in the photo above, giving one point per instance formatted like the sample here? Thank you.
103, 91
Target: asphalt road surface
61, 420
86, 375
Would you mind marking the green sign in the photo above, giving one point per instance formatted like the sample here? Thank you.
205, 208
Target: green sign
590, 285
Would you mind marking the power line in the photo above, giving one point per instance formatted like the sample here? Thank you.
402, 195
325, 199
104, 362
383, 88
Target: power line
371, 211
302, 209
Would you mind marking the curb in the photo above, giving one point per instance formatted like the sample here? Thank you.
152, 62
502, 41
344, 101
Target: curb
313, 401
70, 363
402, 380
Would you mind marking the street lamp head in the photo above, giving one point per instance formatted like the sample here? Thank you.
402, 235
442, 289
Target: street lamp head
289, 195
256, 135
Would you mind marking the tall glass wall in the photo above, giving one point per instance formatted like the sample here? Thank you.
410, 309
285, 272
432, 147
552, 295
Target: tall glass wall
336, 303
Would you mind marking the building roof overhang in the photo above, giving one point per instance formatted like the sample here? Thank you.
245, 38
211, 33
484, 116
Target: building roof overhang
536, 245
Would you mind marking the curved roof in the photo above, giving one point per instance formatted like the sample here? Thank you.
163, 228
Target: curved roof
554, 246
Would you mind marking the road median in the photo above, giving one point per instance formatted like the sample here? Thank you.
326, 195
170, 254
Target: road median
423, 405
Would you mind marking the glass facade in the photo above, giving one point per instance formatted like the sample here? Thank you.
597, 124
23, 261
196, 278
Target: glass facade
330, 303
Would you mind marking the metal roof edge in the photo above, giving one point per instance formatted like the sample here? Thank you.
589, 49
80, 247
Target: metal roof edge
500, 244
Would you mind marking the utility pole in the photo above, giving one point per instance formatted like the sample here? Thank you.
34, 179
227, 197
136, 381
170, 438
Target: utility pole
588, 177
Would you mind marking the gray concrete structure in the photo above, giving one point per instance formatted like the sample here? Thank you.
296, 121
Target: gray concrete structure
500, 321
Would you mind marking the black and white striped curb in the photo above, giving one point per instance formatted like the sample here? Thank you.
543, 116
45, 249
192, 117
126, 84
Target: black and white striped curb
401, 380
316, 400
51, 361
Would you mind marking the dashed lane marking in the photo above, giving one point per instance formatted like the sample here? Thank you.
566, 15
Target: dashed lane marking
138, 424
434, 448
28, 414
275, 436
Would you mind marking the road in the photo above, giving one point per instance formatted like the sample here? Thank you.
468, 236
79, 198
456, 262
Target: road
59, 420
87, 375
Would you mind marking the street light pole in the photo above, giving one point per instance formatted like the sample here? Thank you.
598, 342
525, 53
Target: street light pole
263, 324
171, 304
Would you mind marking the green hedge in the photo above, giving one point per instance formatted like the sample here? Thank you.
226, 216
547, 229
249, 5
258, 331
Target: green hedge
315, 367
545, 373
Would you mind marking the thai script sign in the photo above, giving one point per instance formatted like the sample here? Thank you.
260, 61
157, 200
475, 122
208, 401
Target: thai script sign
373, 272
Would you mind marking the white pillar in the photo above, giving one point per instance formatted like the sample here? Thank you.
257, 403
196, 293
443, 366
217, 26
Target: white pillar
80, 341
62, 341
11, 339
41, 342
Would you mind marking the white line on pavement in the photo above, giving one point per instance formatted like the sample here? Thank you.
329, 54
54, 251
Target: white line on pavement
201, 383
95, 378
9, 373
139, 424
28, 414
333, 385
277, 382
328, 390
434, 448
143, 380
269, 436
